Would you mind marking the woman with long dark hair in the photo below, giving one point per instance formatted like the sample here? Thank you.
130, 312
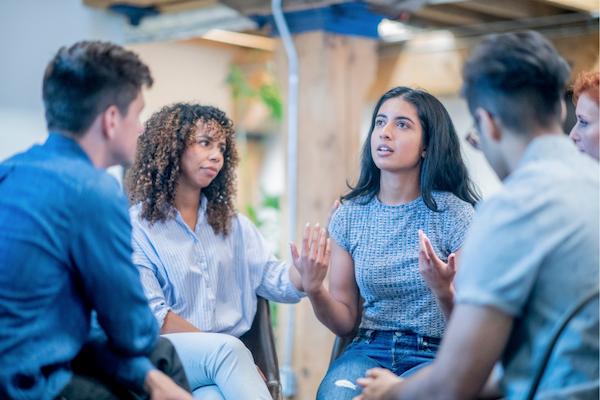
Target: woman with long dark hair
394, 240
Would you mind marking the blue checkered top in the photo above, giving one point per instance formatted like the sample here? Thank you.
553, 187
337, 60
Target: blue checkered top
383, 242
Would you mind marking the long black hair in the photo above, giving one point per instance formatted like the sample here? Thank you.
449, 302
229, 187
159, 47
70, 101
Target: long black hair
442, 168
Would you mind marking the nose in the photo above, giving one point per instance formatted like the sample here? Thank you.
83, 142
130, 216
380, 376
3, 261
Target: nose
574, 135
215, 154
385, 133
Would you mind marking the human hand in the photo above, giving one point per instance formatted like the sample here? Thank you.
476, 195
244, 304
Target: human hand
437, 274
261, 373
313, 263
380, 384
161, 387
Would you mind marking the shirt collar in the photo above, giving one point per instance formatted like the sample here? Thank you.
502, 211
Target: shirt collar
58, 141
201, 211
547, 147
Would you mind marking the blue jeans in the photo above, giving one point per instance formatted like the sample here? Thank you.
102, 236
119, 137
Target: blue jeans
402, 352
218, 366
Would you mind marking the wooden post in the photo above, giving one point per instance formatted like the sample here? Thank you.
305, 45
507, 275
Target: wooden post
335, 74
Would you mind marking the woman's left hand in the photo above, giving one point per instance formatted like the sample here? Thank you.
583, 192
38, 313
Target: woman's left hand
313, 263
379, 384
437, 274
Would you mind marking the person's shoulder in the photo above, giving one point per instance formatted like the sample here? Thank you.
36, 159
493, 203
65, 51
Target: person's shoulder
448, 202
134, 211
352, 205
100, 190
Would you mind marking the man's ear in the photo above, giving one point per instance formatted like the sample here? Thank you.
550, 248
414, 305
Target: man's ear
488, 125
563, 111
109, 122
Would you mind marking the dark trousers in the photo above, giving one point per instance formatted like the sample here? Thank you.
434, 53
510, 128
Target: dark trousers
88, 384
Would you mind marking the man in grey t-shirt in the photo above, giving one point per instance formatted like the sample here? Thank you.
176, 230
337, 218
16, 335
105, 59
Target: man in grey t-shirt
533, 250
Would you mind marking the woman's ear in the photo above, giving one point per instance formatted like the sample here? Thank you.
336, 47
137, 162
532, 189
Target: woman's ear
423, 153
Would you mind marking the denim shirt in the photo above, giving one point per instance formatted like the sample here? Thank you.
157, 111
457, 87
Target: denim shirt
65, 250
531, 253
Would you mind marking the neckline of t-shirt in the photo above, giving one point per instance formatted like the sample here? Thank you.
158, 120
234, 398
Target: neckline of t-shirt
415, 203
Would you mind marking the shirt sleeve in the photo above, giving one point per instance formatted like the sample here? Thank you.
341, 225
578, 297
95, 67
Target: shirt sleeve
149, 278
500, 259
275, 283
101, 254
130, 372
462, 214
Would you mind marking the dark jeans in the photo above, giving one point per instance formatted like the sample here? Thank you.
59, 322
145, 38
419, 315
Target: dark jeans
89, 384
402, 352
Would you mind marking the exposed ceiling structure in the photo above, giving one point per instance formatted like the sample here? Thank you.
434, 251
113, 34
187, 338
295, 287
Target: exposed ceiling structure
464, 18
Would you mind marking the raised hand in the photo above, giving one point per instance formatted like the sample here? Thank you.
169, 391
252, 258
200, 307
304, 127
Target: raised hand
313, 262
437, 274
380, 384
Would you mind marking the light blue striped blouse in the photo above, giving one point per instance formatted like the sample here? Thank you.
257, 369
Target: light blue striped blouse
209, 280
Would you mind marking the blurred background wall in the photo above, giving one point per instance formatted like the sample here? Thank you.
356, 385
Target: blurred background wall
242, 69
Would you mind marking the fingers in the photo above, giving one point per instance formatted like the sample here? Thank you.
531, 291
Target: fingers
327, 252
322, 246
429, 247
314, 245
364, 381
452, 263
422, 246
294, 251
261, 373
359, 397
305, 248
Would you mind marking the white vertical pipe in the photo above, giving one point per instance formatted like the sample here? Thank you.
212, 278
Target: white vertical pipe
288, 378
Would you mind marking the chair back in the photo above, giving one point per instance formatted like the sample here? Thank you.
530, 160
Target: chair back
261, 342
558, 329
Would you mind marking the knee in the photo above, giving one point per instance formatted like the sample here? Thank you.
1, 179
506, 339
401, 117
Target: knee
231, 345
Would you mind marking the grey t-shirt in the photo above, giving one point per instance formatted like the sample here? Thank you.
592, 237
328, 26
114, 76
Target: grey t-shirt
532, 252
383, 242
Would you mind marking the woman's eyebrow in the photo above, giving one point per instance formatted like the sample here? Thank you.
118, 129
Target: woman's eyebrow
404, 118
401, 117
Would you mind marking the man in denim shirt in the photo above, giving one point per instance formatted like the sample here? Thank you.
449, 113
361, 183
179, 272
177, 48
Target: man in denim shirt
533, 249
65, 239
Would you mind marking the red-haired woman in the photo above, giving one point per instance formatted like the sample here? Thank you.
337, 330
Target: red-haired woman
585, 96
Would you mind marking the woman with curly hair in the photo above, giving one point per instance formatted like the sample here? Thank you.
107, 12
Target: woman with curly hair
585, 133
201, 263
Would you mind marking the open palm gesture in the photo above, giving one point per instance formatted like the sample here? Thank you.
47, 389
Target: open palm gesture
436, 273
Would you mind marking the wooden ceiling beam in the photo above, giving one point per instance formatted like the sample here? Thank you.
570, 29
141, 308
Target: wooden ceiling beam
163, 6
451, 15
510, 9
573, 5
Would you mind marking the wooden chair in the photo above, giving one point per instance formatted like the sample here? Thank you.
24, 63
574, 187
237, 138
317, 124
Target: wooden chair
261, 342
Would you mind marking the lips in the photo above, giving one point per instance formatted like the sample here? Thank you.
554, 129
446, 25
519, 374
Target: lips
212, 171
384, 149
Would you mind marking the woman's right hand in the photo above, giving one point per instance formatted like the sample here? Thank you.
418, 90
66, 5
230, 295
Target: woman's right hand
436, 273
312, 263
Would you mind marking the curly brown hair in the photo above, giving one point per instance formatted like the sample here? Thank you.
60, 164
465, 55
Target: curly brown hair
153, 178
